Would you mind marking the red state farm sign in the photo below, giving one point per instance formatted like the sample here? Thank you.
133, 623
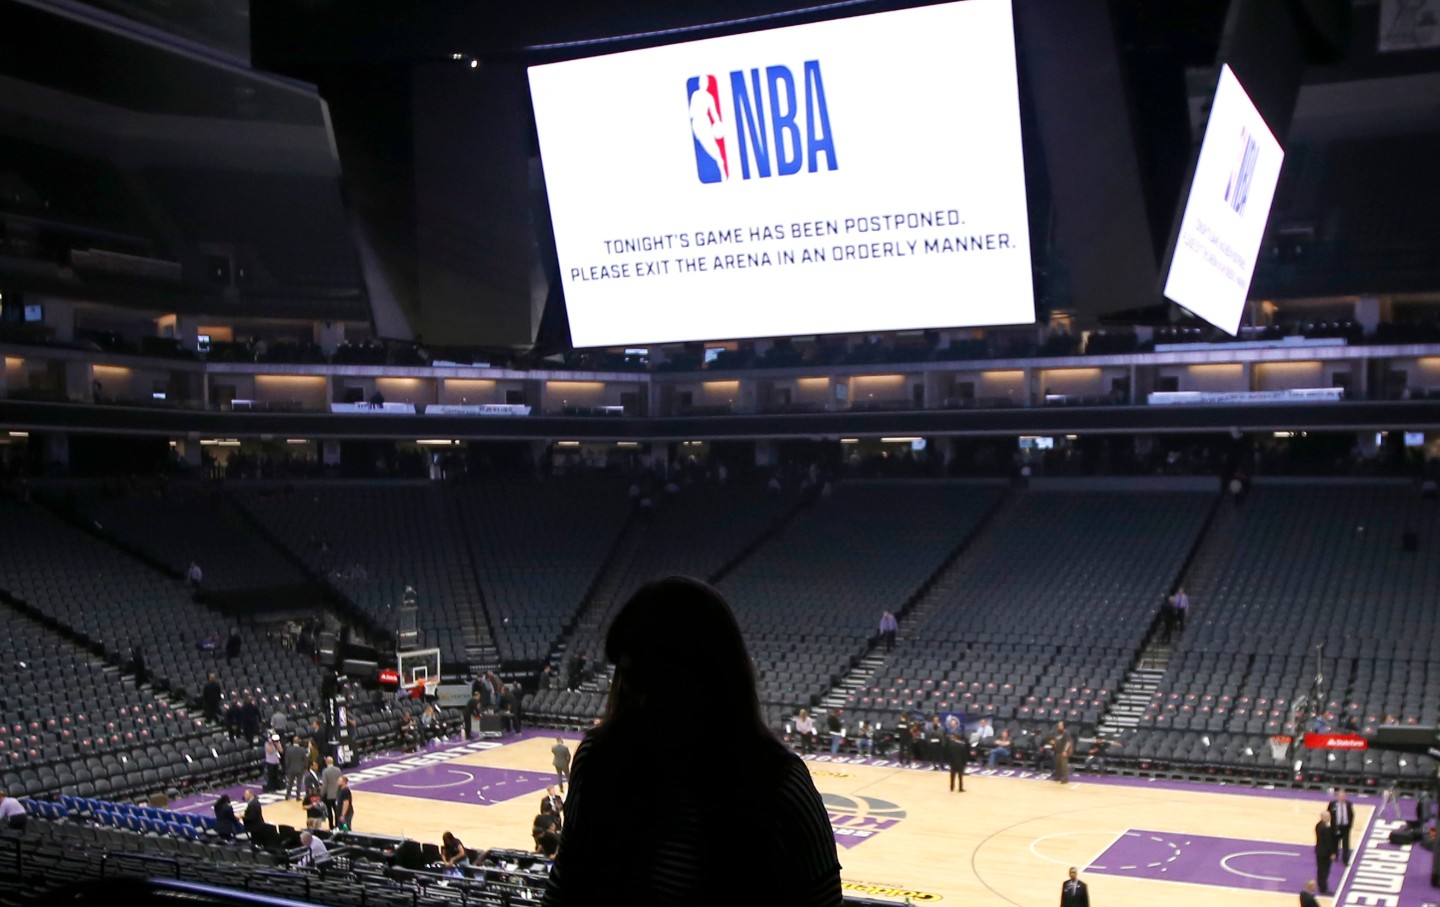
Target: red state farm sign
1335, 742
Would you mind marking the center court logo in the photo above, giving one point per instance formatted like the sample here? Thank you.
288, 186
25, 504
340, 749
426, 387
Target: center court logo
856, 820
764, 132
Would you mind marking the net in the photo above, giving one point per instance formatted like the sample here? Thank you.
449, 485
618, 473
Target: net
1279, 743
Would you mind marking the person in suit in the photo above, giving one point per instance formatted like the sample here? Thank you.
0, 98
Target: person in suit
330, 789
1073, 892
296, 758
1324, 851
1307, 895
1342, 816
557, 805
560, 759
957, 754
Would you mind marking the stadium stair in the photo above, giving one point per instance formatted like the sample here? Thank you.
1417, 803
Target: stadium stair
608, 585
1136, 692
931, 594
854, 681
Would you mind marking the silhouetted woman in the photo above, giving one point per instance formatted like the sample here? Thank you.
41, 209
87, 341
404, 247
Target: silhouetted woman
654, 819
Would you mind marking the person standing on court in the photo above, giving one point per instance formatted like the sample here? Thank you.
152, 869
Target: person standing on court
1307, 895
344, 805
1324, 851
297, 757
330, 789
557, 805
1342, 816
274, 754
957, 754
679, 849
1064, 749
560, 754
1073, 892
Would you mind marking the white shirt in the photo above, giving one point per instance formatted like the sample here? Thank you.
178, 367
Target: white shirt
318, 853
10, 806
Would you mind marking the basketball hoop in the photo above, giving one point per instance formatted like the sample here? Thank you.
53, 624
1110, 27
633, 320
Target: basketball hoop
1279, 743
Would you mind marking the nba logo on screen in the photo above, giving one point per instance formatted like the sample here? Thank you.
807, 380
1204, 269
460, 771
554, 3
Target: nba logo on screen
1237, 189
707, 127
778, 125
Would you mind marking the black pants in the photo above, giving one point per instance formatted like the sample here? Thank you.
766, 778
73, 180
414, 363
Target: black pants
1322, 870
1342, 843
332, 811
957, 772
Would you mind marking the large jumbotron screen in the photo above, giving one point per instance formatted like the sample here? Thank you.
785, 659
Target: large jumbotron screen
1226, 210
857, 174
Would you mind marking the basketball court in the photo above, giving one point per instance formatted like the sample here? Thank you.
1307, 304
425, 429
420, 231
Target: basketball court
1009, 839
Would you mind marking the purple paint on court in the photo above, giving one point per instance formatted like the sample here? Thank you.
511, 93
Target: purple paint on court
1385, 873
1203, 860
477, 784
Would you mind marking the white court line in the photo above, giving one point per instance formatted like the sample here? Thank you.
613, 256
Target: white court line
1090, 864
454, 771
1115, 836
1354, 850
1225, 863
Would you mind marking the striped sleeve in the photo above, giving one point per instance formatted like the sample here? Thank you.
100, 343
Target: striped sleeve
810, 840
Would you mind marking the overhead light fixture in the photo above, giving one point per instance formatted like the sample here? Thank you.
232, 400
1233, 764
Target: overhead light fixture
898, 440
474, 64
567, 443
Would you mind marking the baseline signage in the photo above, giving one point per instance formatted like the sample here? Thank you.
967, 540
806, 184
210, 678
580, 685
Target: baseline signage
1335, 742
1317, 741
851, 175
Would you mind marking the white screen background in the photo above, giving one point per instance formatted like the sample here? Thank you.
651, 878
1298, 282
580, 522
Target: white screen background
923, 107
1216, 247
